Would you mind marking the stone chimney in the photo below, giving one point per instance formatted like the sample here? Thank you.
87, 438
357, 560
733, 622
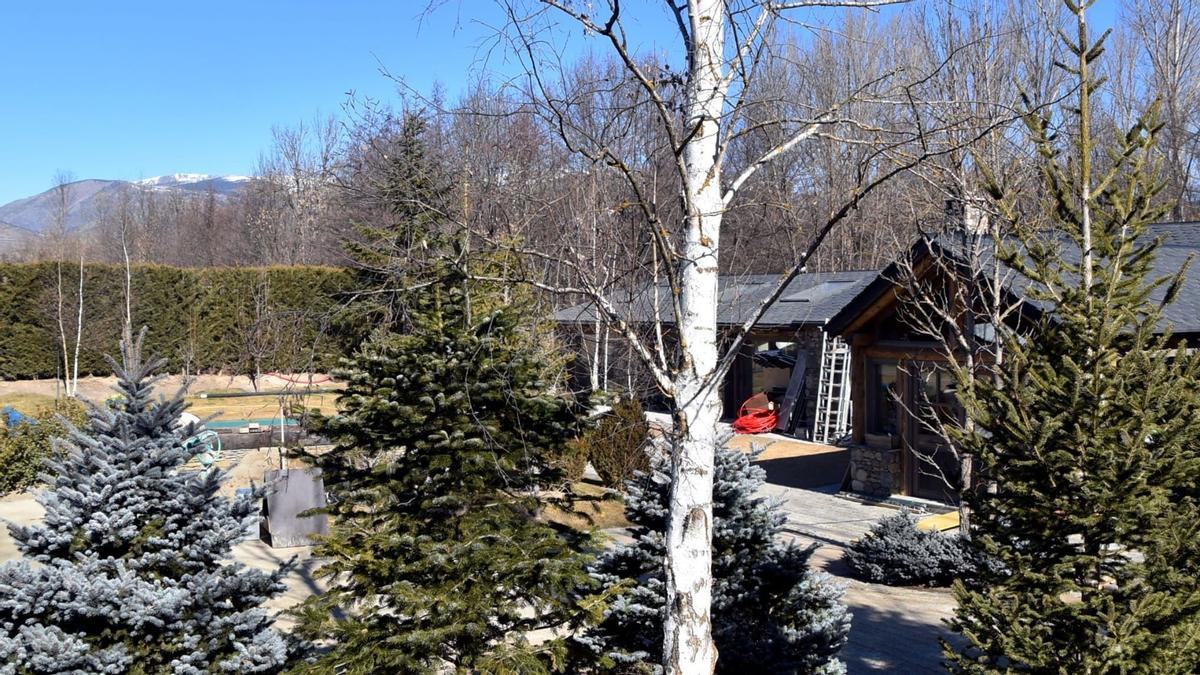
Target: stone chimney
967, 214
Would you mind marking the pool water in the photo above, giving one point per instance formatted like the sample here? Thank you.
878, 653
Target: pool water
234, 424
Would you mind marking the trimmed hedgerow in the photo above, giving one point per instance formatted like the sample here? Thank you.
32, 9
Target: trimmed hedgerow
202, 319
896, 553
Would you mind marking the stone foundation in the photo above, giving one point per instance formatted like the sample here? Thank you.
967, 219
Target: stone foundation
874, 471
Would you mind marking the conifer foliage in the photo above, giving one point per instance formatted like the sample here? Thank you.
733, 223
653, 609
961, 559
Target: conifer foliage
132, 567
436, 557
771, 613
1088, 436
408, 187
898, 553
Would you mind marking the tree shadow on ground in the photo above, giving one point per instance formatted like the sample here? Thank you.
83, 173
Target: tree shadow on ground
888, 640
894, 629
807, 471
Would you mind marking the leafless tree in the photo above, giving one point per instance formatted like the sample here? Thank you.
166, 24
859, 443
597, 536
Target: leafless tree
959, 298
679, 142
957, 294
1168, 33
289, 208
67, 244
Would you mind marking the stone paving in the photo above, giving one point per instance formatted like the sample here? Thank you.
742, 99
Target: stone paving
894, 630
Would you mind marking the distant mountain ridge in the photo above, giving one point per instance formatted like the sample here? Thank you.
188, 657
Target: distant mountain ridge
35, 214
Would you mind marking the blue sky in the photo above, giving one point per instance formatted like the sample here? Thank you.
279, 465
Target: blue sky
137, 89
134, 89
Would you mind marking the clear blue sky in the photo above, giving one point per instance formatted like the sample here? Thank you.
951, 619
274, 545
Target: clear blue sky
136, 89
133, 89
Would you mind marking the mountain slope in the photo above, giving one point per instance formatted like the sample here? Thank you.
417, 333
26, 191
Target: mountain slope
37, 213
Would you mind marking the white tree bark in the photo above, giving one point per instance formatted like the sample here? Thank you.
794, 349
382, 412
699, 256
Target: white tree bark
78, 326
687, 641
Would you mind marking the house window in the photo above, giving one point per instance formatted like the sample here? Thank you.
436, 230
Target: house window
883, 406
937, 393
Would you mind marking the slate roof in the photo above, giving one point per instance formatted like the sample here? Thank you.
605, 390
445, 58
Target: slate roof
1181, 241
809, 299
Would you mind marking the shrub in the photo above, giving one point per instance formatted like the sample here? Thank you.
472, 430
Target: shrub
616, 446
572, 462
25, 446
896, 553
128, 571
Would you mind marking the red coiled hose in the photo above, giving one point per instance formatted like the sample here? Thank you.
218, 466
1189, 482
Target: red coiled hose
756, 416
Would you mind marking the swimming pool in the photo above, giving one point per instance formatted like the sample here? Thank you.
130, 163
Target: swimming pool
235, 424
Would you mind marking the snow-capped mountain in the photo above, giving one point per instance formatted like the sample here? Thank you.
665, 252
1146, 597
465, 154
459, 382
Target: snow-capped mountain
35, 214
193, 181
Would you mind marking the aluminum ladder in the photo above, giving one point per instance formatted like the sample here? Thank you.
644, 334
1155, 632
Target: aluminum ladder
832, 418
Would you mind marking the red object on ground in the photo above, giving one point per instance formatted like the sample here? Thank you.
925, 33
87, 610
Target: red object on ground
756, 416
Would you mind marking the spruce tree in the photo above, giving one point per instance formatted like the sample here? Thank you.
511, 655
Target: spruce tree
1087, 435
437, 558
771, 612
398, 250
130, 570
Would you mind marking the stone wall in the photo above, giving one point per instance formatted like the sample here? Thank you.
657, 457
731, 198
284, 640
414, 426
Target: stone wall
874, 471
808, 340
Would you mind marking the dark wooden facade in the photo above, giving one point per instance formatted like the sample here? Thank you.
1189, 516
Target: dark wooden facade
898, 378
622, 370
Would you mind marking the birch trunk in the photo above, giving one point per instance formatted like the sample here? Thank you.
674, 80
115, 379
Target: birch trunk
78, 326
687, 642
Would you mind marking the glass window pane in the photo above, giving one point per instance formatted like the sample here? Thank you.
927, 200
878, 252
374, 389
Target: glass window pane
884, 406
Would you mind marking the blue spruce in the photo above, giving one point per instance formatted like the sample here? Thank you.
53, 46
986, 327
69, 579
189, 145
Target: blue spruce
130, 571
771, 613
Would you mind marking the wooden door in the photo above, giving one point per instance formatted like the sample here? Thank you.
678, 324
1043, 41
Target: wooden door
931, 468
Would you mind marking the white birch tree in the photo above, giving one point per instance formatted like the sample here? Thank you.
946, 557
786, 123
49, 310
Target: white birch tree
64, 240
697, 115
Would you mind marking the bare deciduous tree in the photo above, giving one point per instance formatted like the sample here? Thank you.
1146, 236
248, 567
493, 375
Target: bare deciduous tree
671, 135
67, 243
1168, 32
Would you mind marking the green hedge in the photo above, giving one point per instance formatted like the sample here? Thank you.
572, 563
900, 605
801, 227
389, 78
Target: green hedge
204, 319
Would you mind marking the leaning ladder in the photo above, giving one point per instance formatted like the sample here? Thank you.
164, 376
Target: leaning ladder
832, 418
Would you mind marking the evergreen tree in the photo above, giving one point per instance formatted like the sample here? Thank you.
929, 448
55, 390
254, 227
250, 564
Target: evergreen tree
132, 570
436, 557
771, 613
392, 256
1087, 436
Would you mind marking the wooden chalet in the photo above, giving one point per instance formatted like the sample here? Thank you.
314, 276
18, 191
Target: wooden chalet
789, 354
895, 370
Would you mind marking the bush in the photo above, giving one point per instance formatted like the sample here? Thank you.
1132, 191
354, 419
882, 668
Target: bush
572, 462
616, 446
25, 446
896, 553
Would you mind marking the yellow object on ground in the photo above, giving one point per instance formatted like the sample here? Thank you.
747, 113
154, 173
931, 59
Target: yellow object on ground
940, 522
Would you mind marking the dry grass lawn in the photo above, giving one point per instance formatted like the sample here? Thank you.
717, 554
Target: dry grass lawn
26, 403
258, 407
30, 395
595, 507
